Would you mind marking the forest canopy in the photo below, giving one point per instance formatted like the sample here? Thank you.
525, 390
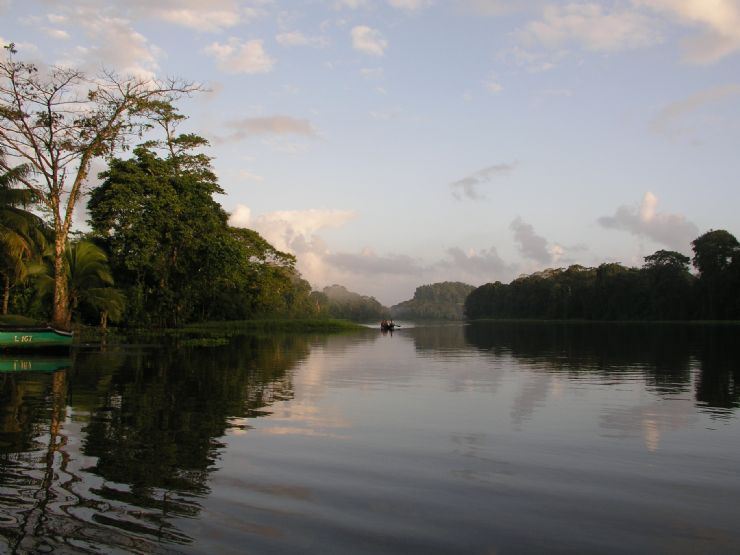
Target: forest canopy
663, 289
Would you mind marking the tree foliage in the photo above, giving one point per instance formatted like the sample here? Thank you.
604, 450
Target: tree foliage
438, 301
663, 289
172, 249
55, 122
335, 301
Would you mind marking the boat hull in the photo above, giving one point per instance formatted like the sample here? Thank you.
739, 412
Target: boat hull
32, 338
20, 362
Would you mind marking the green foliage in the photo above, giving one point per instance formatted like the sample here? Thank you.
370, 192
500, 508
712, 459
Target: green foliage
438, 301
89, 283
172, 250
22, 234
336, 301
663, 289
717, 258
58, 122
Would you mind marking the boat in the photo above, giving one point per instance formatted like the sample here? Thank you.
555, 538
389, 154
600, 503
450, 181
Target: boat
33, 363
388, 326
34, 337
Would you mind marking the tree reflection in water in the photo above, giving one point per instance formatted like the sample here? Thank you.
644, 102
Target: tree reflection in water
151, 420
667, 355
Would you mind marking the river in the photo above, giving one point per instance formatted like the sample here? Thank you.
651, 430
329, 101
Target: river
485, 438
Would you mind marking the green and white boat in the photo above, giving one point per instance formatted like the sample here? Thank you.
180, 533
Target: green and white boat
25, 362
34, 337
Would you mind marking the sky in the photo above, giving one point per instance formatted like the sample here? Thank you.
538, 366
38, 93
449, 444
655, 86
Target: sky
394, 143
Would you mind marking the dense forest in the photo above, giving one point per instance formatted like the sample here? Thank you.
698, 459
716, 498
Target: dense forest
336, 301
662, 289
438, 301
159, 250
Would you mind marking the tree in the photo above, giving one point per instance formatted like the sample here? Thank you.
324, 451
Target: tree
89, 282
166, 235
670, 285
717, 257
57, 122
21, 233
714, 251
438, 301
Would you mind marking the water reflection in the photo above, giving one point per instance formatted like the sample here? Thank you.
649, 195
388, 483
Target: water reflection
668, 357
150, 420
157, 448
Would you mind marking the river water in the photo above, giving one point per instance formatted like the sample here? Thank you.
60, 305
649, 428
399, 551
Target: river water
486, 438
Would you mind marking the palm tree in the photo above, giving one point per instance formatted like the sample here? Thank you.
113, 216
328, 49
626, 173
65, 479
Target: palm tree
89, 282
21, 234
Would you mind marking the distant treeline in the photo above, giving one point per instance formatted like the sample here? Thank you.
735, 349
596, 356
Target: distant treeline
663, 289
438, 301
336, 301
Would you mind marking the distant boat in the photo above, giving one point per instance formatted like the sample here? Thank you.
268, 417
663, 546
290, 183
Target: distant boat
388, 326
33, 337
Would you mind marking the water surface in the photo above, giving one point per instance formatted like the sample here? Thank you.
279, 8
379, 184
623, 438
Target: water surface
489, 438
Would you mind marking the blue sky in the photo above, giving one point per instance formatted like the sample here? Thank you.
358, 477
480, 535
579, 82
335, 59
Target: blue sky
393, 143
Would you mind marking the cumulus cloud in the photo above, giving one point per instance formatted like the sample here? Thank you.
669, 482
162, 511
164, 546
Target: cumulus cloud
485, 264
115, 45
499, 7
530, 245
290, 230
368, 40
668, 121
272, 125
212, 16
409, 5
671, 230
494, 86
351, 4
296, 38
718, 19
591, 26
469, 186
368, 262
59, 34
237, 56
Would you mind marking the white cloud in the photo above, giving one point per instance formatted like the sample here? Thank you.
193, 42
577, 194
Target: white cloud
591, 26
469, 186
499, 7
351, 4
494, 87
291, 230
297, 232
270, 125
59, 34
368, 40
57, 19
409, 5
241, 216
244, 175
296, 38
372, 73
116, 45
668, 122
477, 266
369, 263
237, 56
530, 245
719, 20
671, 230
212, 16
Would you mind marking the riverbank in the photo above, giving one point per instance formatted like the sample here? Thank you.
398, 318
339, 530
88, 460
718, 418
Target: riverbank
210, 333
